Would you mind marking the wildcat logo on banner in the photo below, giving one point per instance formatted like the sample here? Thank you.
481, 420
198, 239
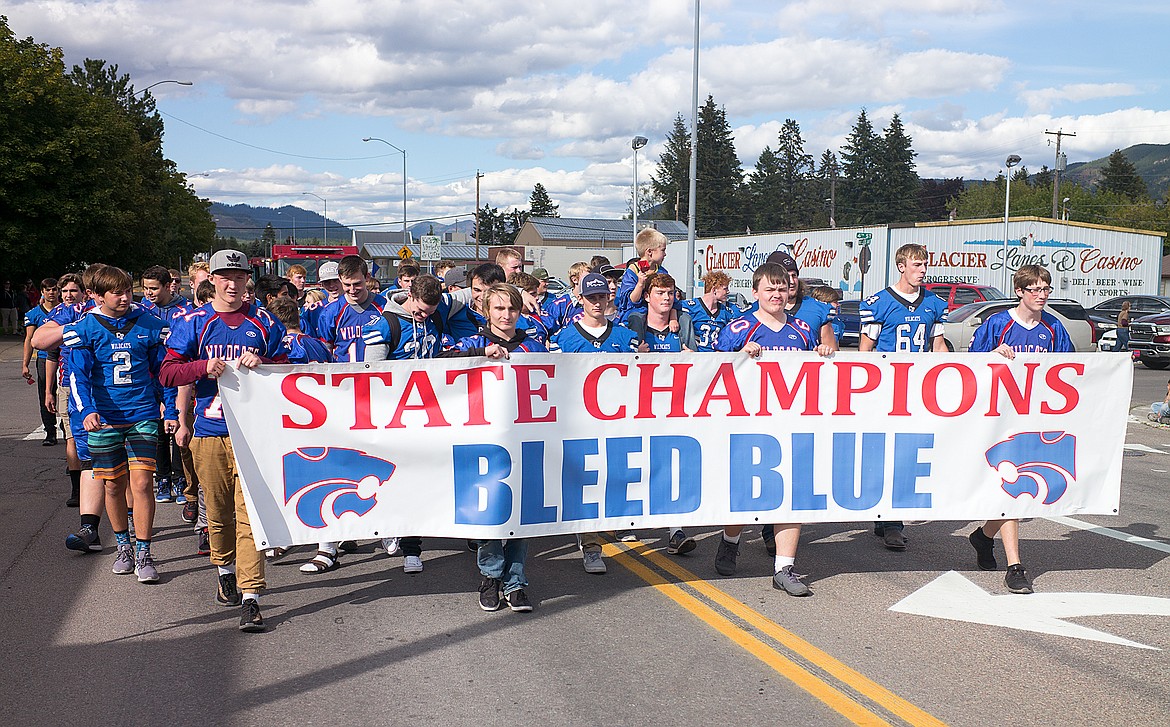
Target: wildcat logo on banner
547, 444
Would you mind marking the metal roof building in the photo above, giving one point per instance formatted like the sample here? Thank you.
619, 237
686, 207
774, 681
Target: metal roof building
588, 232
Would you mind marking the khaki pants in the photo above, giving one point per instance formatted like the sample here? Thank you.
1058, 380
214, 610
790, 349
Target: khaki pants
228, 528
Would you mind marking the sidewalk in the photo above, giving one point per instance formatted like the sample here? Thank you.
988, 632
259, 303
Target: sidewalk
11, 348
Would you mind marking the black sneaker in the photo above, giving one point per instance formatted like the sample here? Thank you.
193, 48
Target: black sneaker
73, 500
250, 618
725, 557
85, 540
49, 441
1017, 580
984, 549
202, 542
190, 512
347, 546
228, 594
518, 601
489, 594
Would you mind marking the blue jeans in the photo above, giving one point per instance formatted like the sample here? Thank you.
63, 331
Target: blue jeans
504, 561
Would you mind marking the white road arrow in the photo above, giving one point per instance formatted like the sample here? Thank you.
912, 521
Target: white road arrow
952, 596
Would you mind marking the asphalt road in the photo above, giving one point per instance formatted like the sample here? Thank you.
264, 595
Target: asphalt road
657, 639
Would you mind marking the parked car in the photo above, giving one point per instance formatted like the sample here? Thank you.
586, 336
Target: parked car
849, 314
1107, 341
1104, 315
1149, 336
958, 295
962, 322
556, 286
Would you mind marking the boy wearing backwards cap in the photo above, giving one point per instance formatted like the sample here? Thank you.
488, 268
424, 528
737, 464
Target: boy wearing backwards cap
199, 347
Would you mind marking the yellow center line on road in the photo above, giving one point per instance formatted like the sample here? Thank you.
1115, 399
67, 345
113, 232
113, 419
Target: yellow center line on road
834, 698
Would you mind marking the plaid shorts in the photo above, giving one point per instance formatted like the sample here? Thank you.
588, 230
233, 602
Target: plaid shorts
117, 450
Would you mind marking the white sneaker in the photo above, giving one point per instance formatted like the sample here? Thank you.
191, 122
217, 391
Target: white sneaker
391, 546
592, 560
412, 564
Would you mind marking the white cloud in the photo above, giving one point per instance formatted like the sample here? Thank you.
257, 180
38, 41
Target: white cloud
1042, 100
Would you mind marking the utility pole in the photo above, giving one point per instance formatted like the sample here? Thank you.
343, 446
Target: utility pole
478, 176
833, 200
1058, 167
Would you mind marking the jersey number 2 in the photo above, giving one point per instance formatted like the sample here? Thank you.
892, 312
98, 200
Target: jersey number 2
121, 360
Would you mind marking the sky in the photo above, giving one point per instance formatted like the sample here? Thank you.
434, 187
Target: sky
528, 92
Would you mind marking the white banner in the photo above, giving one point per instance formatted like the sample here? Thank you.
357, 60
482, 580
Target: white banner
553, 443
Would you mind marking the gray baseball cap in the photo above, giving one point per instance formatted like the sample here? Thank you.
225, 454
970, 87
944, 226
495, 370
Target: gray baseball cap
229, 260
327, 271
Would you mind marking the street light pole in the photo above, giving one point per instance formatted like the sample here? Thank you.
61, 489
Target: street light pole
636, 143
159, 83
694, 159
1011, 161
403, 152
325, 223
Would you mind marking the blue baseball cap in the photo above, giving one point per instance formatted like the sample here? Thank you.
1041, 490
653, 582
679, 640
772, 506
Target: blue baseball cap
594, 284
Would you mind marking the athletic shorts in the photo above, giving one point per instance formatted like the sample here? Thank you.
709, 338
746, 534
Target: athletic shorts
118, 450
63, 409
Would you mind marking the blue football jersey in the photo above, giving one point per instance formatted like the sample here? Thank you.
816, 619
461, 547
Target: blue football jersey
179, 306
528, 345
415, 340
903, 325
814, 312
303, 348
663, 341
36, 318
794, 335
1048, 335
463, 323
707, 324
114, 364
616, 338
63, 315
340, 326
310, 317
204, 334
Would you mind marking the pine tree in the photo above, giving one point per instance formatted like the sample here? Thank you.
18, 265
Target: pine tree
858, 195
672, 183
1121, 176
540, 205
796, 169
719, 193
898, 181
827, 174
764, 186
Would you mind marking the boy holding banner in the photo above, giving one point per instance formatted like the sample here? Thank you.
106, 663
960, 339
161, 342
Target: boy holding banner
1027, 328
200, 345
768, 329
904, 317
594, 333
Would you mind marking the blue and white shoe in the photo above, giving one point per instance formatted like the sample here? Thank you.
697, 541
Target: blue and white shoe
177, 488
163, 491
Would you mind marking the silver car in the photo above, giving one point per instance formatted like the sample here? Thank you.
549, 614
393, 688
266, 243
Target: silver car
962, 322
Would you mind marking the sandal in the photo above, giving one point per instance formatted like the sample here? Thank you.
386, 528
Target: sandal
323, 561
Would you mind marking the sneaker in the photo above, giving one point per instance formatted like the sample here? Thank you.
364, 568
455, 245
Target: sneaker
1017, 580
628, 536
984, 549
72, 500
788, 581
347, 546
203, 542
680, 543
144, 567
518, 601
49, 441
179, 488
412, 564
124, 562
163, 491
190, 512
894, 539
250, 618
391, 546
489, 594
725, 557
85, 540
591, 555
228, 594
